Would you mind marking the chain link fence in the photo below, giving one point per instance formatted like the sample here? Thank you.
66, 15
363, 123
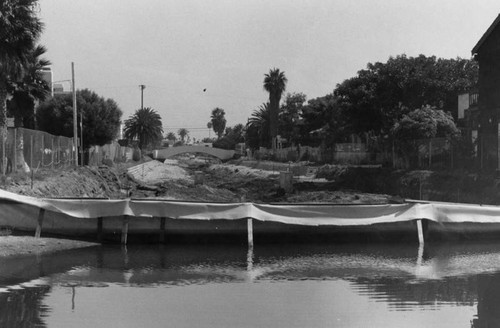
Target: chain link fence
24, 150
113, 152
435, 153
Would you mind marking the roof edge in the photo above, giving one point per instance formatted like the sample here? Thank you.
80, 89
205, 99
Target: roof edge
485, 35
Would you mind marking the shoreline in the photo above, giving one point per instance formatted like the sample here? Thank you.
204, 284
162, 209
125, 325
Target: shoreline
11, 246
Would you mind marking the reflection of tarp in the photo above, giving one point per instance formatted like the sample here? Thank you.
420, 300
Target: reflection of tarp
300, 214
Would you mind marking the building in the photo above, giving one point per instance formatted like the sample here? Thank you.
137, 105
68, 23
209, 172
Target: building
468, 118
46, 73
487, 53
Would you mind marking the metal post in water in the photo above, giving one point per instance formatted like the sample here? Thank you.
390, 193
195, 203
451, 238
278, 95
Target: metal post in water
38, 231
99, 229
420, 232
250, 233
125, 229
162, 230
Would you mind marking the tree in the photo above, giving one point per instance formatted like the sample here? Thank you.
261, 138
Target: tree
290, 117
218, 121
183, 133
171, 136
425, 123
20, 28
29, 89
231, 138
145, 126
101, 117
209, 126
383, 92
257, 130
322, 122
274, 83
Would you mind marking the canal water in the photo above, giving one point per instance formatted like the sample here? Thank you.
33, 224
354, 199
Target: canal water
325, 285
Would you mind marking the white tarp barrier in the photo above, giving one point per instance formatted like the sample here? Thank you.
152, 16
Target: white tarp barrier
300, 214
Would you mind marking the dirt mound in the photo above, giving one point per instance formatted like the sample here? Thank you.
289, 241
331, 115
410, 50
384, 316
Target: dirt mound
102, 182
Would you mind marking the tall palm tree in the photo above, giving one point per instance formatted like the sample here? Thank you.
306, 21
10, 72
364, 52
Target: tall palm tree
209, 126
274, 83
144, 126
19, 31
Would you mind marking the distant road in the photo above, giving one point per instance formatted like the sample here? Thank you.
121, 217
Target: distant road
222, 154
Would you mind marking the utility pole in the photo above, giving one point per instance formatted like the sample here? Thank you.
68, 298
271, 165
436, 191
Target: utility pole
75, 124
142, 86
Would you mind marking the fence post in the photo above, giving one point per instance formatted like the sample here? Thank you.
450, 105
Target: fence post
43, 146
451, 147
52, 151
4, 162
14, 147
31, 152
430, 153
393, 156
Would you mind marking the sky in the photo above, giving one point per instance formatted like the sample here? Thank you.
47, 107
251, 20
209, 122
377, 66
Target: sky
196, 55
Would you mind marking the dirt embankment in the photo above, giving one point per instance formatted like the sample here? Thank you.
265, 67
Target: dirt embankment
176, 180
103, 182
236, 181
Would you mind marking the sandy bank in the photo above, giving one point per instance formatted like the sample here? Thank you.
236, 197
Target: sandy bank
26, 245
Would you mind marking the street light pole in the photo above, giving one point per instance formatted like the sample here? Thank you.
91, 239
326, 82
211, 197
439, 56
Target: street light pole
142, 86
75, 124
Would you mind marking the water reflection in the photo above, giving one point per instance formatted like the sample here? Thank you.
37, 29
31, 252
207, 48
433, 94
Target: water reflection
404, 277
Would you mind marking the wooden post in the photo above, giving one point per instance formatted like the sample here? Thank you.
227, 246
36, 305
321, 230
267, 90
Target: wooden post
286, 181
250, 233
162, 230
38, 231
99, 230
420, 232
125, 229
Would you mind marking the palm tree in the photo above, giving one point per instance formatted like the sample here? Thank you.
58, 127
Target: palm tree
218, 120
209, 126
144, 126
183, 133
171, 136
31, 88
20, 28
258, 126
275, 84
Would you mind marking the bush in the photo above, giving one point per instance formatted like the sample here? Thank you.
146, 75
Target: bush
136, 155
